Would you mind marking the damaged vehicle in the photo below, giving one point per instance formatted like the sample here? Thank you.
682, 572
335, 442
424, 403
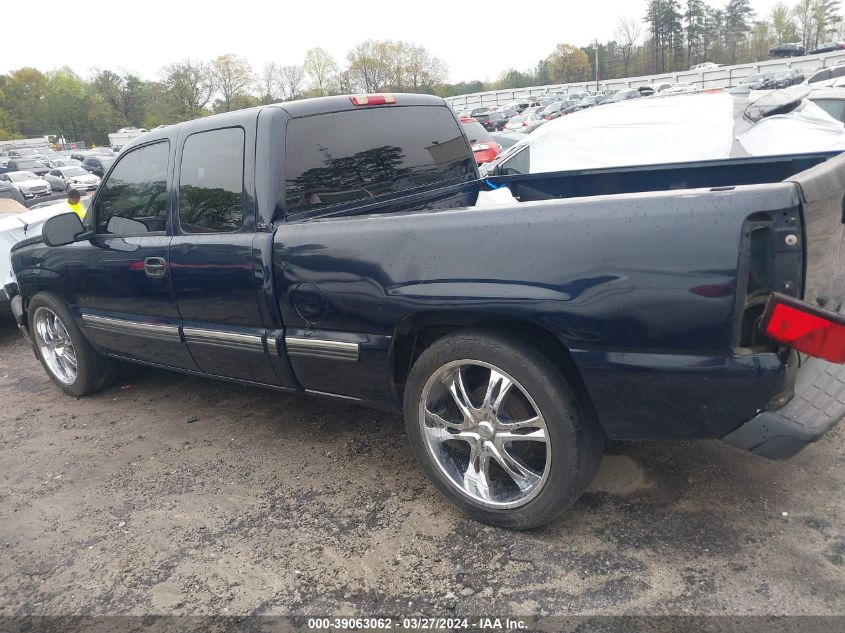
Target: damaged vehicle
338, 247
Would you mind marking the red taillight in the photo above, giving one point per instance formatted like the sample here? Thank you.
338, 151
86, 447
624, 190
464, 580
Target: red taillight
805, 327
362, 100
524, 124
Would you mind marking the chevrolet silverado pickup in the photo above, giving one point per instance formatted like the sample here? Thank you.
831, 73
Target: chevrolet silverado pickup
334, 247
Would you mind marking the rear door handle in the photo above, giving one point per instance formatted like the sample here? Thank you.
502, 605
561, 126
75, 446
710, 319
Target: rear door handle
155, 267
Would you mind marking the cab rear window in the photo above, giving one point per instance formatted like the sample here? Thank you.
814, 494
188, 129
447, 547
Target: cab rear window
342, 158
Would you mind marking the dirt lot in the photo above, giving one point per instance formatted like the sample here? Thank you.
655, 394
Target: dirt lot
172, 494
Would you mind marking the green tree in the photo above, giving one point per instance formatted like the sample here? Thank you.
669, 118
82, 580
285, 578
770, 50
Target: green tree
568, 64
124, 93
190, 85
321, 68
231, 77
783, 24
695, 16
25, 91
66, 104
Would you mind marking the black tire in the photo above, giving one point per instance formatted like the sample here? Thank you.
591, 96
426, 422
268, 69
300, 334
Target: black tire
574, 439
93, 370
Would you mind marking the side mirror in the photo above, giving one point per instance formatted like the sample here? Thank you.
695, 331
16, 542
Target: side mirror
62, 229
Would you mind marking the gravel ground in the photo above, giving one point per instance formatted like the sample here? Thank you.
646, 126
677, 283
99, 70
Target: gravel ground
171, 494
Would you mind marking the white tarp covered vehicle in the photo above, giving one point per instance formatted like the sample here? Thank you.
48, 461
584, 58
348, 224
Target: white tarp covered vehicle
675, 128
21, 226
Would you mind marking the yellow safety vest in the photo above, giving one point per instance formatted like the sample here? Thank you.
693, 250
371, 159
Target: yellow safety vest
78, 209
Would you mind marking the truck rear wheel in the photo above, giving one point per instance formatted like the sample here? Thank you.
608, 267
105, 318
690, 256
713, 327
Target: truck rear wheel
66, 355
498, 430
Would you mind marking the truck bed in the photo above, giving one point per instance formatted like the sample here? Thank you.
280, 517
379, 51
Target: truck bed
665, 177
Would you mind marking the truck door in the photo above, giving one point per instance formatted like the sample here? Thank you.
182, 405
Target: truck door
121, 276
212, 256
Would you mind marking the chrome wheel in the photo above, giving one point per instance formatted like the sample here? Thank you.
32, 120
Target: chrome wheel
55, 346
485, 433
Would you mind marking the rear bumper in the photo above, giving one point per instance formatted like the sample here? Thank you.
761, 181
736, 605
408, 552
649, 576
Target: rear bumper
818, 404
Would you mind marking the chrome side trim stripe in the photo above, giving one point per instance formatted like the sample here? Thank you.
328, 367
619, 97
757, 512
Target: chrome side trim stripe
156, 331
314, 392
321, 348
218, 338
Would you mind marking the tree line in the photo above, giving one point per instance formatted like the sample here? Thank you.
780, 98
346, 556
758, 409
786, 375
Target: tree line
60, 103
672, 35
675, 35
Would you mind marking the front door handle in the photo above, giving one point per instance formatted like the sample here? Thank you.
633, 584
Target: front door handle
155, 267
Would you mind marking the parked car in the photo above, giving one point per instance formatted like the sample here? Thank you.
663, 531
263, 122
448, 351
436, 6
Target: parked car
514, 339
102, 151
787, 50
704, 66
787, 78
525, 123
555, 110
679, 88
484, 148
65, 162
758, 81
495, 119
29, 184
583, 104
827, 47
625, 95
97, 165
67, 178
827, 77
660, 86
10, 191
507, 139
28, 164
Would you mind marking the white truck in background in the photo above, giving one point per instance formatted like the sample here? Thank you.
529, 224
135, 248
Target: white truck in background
125, 134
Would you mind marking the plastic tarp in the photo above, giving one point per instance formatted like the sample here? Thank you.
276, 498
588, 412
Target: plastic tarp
808, 128
677, 128
15, 228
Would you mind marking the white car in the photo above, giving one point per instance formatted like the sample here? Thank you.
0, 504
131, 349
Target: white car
679, 88
30, 185
67, 178
704, 66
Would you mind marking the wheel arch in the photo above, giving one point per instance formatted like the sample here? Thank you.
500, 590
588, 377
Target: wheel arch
414, 334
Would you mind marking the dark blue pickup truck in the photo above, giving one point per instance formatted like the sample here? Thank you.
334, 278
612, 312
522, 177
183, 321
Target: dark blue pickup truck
333, 246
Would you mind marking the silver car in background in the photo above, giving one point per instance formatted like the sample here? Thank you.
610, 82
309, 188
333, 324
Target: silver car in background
30, 185
67, 178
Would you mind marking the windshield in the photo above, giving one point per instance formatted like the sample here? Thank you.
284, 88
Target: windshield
22, 175
74, 171
475, 132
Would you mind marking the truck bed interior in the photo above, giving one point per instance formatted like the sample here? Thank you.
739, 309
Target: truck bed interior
616, 180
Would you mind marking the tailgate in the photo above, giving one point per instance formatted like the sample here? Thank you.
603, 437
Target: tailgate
816, 401
822, 189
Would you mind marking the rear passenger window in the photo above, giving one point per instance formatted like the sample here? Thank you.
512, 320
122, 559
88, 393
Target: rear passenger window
357, 155
211, 182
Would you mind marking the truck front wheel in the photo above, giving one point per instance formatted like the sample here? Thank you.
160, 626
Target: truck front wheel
66, 355
498, 430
